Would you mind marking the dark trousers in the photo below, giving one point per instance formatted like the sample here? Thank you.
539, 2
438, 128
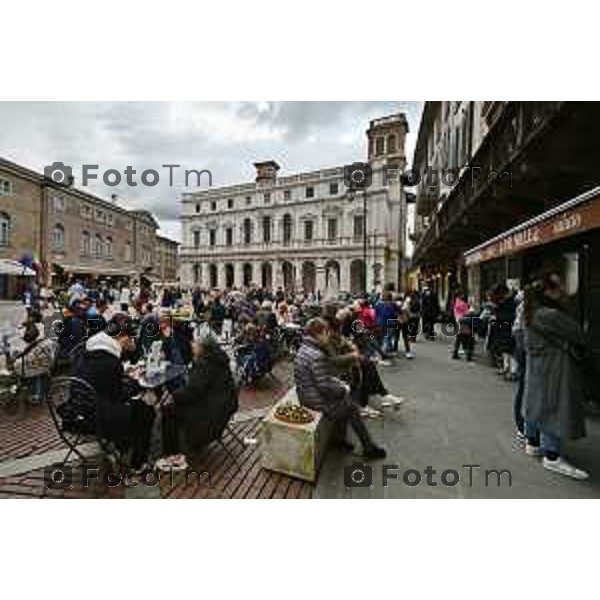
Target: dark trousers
140, 432
344, 413
521, 358
171, 442
467, 342
406, 335
370, 383
429, 326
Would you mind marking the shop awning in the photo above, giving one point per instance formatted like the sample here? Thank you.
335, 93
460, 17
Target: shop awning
99, 270
12, 267
570, 218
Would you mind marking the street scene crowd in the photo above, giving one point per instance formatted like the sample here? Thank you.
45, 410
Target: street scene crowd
137, 354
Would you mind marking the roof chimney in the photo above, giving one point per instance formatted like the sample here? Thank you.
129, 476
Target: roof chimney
266, 172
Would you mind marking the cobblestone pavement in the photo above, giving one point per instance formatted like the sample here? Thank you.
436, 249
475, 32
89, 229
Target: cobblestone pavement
456, 414
29, 437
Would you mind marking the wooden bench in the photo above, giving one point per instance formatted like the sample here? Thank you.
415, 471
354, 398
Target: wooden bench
295, 450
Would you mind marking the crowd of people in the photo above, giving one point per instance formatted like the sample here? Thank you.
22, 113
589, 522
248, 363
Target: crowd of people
338, 347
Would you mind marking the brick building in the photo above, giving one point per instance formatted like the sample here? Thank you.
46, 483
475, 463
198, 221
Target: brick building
69, 232
166, 259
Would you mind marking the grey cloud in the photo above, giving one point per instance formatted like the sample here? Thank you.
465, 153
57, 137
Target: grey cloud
220, 136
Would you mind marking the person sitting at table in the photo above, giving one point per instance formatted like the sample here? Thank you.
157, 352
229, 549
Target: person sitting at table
120, 415
173, 350
207, 401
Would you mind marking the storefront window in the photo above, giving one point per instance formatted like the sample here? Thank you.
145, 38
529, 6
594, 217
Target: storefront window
571, 273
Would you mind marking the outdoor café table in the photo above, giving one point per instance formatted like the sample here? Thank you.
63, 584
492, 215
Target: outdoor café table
157, 380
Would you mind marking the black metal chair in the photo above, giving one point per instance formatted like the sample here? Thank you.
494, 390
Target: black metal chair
72, 405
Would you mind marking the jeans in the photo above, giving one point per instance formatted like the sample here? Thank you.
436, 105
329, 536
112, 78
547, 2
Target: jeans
521, 359
549, 442
38, 386
389, 341
370, 384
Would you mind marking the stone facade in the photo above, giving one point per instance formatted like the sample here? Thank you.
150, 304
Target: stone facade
304, 231
20, 212
68, 230
166, 259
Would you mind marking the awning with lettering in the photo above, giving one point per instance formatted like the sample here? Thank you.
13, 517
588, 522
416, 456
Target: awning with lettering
572, 217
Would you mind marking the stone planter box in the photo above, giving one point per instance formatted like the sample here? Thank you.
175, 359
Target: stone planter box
296, 450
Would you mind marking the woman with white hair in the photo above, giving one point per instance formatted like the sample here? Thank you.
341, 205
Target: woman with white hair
196, 411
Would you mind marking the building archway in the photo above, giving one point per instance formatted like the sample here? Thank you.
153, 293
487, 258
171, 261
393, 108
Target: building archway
332, 277
197, 273
247, 274
213, 276
267, 276
357, 276
229, 275
288, 275
309, 277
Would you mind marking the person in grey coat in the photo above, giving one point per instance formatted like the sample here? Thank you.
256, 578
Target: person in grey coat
553, 396
320, 389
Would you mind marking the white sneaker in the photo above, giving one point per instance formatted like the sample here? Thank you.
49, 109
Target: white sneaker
560, 465
532, 450
369, 413
175, 463
410, 355
391, 400
384, 363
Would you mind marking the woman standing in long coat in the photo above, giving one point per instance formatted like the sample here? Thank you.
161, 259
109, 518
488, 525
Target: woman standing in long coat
553, 399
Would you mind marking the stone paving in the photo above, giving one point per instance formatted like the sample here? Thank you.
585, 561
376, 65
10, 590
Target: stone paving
457, 414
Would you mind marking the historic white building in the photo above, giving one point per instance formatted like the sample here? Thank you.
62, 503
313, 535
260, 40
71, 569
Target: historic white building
304, 231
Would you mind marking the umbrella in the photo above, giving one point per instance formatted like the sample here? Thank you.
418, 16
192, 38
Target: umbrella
12, 267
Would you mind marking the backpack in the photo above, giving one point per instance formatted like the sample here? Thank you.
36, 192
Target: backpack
415, 305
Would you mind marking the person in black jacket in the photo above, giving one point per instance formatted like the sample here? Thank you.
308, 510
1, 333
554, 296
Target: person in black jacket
71, 335
120, 416
202, 408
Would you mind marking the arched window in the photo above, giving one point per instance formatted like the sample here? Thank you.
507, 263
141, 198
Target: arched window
98, 245
247, 231
379, 146
266, 225
109, 247
197, 273
4, 229
287, 228
85, 242
58, 237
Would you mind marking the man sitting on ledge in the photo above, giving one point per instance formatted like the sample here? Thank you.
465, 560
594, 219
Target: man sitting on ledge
319, 389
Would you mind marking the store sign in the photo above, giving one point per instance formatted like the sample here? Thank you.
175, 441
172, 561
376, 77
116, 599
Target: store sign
569, 222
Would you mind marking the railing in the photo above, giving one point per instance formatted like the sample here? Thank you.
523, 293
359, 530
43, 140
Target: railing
345, 243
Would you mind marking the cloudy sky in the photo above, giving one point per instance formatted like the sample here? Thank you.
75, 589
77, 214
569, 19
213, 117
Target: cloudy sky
224, 137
